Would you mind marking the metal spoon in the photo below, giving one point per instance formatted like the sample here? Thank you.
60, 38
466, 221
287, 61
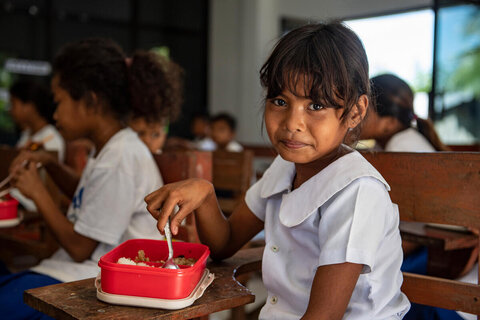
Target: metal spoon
169, 264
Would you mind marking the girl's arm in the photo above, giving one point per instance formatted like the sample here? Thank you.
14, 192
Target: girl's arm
29, 183
331, 291
223, 236
63, 176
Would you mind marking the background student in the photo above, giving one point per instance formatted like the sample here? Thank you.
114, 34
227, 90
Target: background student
393, 122
94, 100
223, 133
333, 248
32, 110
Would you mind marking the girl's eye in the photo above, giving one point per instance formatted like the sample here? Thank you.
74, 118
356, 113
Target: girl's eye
315, 107
279, 102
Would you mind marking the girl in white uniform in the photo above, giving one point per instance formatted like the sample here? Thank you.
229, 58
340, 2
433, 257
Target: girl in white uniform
393, 123
333, 248
93, 88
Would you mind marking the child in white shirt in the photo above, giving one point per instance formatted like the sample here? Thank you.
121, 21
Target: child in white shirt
333, 248
96, 89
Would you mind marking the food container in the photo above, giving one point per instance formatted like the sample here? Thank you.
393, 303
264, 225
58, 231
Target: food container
8, 208
153, 282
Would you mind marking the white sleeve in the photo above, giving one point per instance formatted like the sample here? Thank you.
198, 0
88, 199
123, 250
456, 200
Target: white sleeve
108, 203
353, 224
254, 201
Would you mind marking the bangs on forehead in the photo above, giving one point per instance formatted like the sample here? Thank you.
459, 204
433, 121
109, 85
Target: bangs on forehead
294, 73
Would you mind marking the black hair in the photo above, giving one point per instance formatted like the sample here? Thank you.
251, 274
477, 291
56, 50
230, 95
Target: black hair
231, 122
393, 97
138, 87
29, 91
328, 57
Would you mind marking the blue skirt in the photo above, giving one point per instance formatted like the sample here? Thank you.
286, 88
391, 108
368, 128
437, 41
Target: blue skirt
12, 287
416, 262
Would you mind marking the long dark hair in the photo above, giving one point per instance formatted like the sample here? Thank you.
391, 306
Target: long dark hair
394, 98
144, 86
328, 57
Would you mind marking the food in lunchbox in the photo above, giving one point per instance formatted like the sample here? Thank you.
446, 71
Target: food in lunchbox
141, 258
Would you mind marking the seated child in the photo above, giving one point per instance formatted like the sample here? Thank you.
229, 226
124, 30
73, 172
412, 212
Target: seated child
153, 133
333, 247
32, 110
201, 130
393, 123
223, 133
95, 95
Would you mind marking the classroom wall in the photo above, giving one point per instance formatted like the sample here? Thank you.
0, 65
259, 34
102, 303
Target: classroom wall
241, 35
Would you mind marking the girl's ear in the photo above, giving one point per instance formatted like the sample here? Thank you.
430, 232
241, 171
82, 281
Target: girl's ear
358, 112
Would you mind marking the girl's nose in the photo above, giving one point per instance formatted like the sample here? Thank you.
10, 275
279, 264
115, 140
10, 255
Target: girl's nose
295, 119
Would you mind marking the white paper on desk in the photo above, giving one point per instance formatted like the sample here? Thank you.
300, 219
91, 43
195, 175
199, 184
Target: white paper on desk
24, 201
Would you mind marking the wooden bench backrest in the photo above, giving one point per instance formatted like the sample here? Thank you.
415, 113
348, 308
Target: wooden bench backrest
180, 165
232, 172
441, 188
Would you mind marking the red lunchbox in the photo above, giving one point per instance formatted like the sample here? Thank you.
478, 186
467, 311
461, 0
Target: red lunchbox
153, 282
8, 208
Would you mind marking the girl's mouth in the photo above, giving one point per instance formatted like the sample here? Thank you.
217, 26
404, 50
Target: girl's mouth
291, 144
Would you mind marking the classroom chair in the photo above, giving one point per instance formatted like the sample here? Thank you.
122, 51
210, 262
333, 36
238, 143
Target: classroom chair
179, 165
440, 188
232, 173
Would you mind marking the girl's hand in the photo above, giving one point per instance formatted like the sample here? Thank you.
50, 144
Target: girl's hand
187, 194
25, 157
27, 180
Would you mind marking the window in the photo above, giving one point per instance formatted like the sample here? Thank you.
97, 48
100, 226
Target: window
401, 44
456, 104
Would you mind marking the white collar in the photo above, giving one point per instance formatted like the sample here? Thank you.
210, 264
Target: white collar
313, 193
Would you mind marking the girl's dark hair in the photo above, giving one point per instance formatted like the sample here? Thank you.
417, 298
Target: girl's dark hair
394, 98
161, 82
141, 89
329, 58
29, 91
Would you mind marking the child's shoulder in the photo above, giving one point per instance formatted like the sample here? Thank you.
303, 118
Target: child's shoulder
348, 168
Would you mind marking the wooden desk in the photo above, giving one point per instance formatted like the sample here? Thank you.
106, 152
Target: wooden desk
77, 300
448, 250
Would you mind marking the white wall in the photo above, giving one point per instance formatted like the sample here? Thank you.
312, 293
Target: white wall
242, 33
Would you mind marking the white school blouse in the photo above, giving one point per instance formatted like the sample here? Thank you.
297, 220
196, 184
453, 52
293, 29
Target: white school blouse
342, 214
409, 140
108, 204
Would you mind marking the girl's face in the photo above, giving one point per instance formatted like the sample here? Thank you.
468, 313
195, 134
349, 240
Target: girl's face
152, 134
71, 116
301, 130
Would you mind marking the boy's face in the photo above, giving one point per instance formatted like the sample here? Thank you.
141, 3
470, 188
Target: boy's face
19, 111
222, 134
152, 134
200, 128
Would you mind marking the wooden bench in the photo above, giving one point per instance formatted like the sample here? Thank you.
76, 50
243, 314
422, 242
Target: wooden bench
232, 172
435, 188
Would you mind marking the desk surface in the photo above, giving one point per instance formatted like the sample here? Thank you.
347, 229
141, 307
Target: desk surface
424, 234
77, 300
